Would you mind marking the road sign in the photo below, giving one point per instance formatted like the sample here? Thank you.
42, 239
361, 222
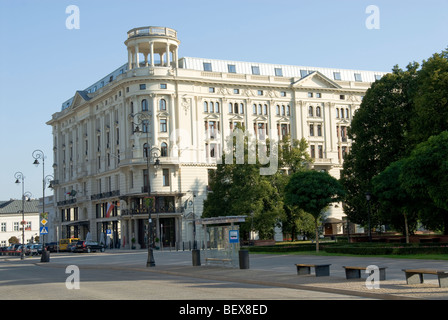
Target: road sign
234, 236
44, 221
43, 230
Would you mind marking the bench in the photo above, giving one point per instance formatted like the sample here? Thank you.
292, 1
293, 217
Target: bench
415, 276
355, 272
218, 260
320, 269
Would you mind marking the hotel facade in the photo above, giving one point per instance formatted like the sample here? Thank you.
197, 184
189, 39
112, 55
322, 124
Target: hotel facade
172, 115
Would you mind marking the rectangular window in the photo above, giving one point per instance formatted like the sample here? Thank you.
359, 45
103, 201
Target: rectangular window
278, 72
312, 151
163, 127
207, 66
310, 94
337, 75
3, 227
303, 73
163, 86
211, 90
231, 68
142, 86
318, 95
283, 93
256, 70
236, 91
321, 152
260, 92
358, 77
166, 177
311, 130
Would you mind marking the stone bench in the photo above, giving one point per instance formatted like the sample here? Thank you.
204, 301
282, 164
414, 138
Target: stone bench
415, 276
355, 272
319, 269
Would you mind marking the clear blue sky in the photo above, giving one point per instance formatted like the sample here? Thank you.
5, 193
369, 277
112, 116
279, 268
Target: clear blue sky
42, 63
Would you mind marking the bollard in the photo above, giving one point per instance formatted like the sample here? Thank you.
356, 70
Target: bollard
196, 255
45, 256
244, 259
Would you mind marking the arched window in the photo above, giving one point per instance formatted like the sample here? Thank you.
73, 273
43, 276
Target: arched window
283, 110
164, 150
212, 107
265, 107
144, 105
235, 107
205, 106
337, 112
162, 104
217, 107
254, 109
241, 108
318, 114
310, 111
288, 110
230, 107
260, 111
277, 110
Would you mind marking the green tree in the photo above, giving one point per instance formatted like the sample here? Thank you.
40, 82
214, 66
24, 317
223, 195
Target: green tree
430, 116
425, 175
398, 207
379, 130
313, 191
239, 189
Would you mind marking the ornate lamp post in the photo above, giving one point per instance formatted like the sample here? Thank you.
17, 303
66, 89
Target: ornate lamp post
19, 176
39, 154
142, 119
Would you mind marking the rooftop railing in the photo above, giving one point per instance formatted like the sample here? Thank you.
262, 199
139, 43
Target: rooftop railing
152, 31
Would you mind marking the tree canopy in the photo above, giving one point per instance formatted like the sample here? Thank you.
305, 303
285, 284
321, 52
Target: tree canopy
313, 191
399, 111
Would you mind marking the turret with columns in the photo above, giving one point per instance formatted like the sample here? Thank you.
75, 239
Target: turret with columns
150, 41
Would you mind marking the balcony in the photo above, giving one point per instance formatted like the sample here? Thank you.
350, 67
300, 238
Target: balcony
155, 210
103, 195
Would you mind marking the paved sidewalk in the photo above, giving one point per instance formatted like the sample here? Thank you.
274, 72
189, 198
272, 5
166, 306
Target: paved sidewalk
277, 271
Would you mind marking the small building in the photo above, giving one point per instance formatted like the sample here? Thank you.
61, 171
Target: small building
11, 220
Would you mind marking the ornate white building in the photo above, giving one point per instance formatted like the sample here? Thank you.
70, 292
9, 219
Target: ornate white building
184, 108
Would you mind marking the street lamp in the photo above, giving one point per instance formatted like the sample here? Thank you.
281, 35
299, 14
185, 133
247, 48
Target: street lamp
368, 198
39, 154
151, 152
19, 176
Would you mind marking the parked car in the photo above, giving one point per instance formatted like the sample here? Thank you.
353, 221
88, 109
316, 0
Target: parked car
88, 246
71, 247
27, 249
36, 249
52, 246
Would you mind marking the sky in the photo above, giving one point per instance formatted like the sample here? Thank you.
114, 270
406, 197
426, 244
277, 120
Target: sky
43, 62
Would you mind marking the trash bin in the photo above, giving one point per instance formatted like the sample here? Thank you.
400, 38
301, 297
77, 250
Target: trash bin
244, 259
45, 256
196, 255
